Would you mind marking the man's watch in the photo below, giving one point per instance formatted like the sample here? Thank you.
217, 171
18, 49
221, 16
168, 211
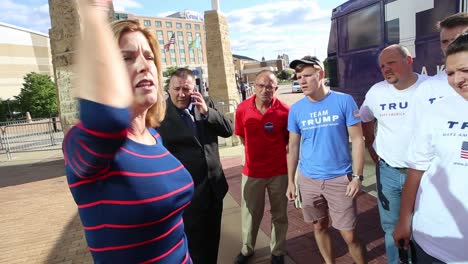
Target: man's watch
360, 177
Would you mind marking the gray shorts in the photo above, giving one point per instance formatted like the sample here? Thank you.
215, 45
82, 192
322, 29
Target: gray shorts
321, 198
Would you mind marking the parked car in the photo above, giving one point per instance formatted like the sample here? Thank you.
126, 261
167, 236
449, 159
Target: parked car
296, 88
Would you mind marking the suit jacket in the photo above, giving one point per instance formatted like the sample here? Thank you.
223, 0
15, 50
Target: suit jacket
199, 154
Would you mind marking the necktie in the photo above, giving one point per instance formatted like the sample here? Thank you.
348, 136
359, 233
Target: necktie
190, 121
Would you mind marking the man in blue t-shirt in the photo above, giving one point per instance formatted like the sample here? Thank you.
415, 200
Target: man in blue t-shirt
329, 174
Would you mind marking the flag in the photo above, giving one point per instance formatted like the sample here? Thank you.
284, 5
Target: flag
194, 44
171, 41
464, 150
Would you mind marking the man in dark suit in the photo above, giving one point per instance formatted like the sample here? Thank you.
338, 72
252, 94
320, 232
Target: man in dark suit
190, 132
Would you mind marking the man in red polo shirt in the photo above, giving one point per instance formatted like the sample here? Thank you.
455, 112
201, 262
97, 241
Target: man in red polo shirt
261, 124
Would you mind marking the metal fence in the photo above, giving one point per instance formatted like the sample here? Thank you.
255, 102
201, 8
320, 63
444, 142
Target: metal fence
45, 134
226, 106
249, 92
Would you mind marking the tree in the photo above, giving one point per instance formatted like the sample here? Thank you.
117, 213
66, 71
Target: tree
38, 95
9, 110
285, 74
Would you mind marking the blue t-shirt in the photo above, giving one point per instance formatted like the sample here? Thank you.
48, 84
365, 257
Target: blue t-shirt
325, 152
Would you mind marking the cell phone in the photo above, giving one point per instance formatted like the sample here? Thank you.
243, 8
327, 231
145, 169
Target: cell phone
192, 100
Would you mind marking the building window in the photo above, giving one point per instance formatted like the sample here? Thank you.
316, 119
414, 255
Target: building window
183, 60
178, 25
182, 51
159, 34
173, 60
169, 34
120, 16
147, 23
169, 24
197, 26
198, 36
192, 60
158, 23
200, 57
189, 37
164, 60
161, 41
163, 55
172, 51
188, 26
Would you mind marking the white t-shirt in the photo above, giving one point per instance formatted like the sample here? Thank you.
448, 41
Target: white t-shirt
390, 107
439, 147
434, 88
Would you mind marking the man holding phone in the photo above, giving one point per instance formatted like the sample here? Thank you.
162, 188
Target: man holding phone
190, 132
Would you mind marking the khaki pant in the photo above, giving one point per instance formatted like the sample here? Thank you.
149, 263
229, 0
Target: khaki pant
252, 208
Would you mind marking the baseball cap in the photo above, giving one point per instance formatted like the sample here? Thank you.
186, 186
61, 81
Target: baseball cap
308, 60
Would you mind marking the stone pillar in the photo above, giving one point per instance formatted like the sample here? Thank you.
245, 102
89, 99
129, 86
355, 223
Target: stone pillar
221, 73
64, 33
65, 29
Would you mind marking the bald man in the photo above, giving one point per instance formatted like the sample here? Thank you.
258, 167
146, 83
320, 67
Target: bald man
261, 122
388, 104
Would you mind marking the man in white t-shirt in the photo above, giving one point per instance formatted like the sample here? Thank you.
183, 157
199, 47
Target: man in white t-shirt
437, 86
389, 102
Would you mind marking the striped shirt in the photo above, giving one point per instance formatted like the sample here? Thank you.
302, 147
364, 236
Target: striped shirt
130, 196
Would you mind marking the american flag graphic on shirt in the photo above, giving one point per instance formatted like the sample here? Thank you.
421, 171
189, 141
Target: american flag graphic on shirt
464, 150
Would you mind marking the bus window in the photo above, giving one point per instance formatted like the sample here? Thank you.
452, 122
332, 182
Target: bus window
363, 28
426, 20
332, 72
332, 39
392, 29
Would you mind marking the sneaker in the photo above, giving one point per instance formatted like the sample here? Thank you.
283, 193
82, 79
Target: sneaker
241, 259
277, 259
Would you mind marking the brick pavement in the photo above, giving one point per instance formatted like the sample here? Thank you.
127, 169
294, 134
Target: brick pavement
301, 244
39, 222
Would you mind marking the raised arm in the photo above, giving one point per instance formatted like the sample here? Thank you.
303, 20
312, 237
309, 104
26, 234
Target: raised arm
102, 76
103, 82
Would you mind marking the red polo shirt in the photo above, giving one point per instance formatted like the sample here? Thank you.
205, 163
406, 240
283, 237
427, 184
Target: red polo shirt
265, 138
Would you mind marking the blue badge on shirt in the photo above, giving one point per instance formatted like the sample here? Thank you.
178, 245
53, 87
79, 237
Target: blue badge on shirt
268, 126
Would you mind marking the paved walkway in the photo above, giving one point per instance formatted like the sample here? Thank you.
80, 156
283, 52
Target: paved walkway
39, 221
301, 245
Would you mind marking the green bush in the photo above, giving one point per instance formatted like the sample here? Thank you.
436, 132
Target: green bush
38, 96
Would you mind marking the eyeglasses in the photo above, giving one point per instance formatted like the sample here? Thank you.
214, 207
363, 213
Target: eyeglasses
267, 87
